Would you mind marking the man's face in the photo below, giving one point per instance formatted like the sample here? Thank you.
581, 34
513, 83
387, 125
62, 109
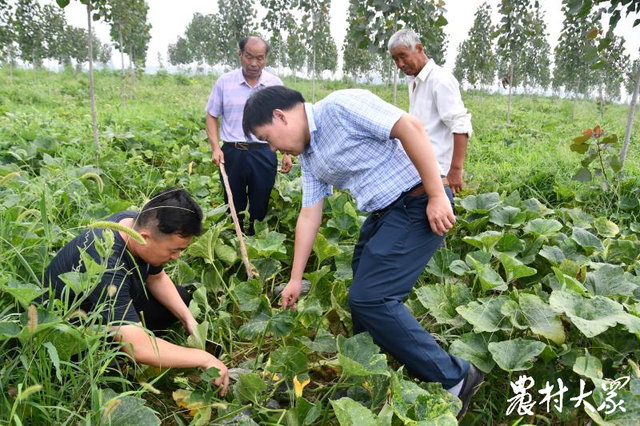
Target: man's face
410, 61
161, 248
253, 58
283, 134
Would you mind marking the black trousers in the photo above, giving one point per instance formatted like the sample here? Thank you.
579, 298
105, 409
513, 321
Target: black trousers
251, 173
157, 318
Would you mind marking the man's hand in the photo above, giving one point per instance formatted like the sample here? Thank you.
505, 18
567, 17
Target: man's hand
223, 380
190, 324
290, 294
286, 163
440, 214
454, 177
217, 157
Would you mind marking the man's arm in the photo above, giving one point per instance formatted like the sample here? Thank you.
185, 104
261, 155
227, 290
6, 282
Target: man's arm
307, 227
217, 155
162, 288
455, 116
454, 177
157, 352
416, 143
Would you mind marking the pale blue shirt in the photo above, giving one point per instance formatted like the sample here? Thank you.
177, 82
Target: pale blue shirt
227, 99
351, 148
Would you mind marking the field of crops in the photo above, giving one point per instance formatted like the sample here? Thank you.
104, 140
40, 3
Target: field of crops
540, 277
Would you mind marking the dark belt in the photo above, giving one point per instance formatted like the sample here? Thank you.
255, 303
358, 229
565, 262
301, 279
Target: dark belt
244, 146
416, 191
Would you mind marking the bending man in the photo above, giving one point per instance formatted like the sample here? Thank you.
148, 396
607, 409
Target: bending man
134, 288
353, 140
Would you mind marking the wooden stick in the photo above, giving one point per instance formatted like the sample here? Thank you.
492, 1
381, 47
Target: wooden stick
234, 216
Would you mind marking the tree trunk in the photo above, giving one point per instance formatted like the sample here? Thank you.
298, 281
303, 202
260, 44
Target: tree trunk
131, 67
601, 102
313, 80
279, 54
94, 119
10, 65
510, 87
124, 82
395, 69
575, 101
632, 114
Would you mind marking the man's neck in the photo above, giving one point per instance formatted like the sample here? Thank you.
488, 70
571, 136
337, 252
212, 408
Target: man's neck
129, 244
426, 61
251, 81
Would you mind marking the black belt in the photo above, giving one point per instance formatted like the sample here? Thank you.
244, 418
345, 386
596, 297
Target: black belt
244, 146
415, 191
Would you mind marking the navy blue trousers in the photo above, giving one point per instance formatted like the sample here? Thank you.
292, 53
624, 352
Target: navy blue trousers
391, 253
252, 174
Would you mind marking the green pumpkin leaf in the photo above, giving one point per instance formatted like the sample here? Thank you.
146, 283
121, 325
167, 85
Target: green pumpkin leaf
482, 203
248, 294
517, 354
249, 387
288, 361
129, 411
592, 316
360, 357
541, 318
23, 293
474, 348
514, 269
509, 244
588, 366
507, 216
349, 412
484, 314
484, 241
198, 339
439, 263
553, 254
586, 240
442, 300
324, 249
606, 228
610, 280
225, 253
543, 227
266, 244
489, 278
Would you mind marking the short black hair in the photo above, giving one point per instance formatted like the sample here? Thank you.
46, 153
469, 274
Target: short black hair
243, 42
259, 107
172, 211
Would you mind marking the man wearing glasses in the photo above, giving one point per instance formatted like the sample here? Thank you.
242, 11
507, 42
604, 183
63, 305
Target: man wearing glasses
250, 164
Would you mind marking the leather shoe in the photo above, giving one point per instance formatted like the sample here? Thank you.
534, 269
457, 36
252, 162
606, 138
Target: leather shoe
472, 382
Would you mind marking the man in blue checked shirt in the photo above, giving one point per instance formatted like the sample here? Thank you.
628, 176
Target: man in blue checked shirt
353, 140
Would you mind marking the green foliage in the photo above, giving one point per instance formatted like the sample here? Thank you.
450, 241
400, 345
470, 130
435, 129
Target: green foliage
536, 265
377, 21
130, 30
322, 53
476, 61
236, 17
571, 69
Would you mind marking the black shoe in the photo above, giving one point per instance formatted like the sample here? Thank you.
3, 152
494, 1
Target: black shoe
472, 382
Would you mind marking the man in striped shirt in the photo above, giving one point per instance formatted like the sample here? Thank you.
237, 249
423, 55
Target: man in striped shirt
249, 163
353, 140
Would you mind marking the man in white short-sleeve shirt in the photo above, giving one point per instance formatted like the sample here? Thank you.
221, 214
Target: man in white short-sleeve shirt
434, 97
